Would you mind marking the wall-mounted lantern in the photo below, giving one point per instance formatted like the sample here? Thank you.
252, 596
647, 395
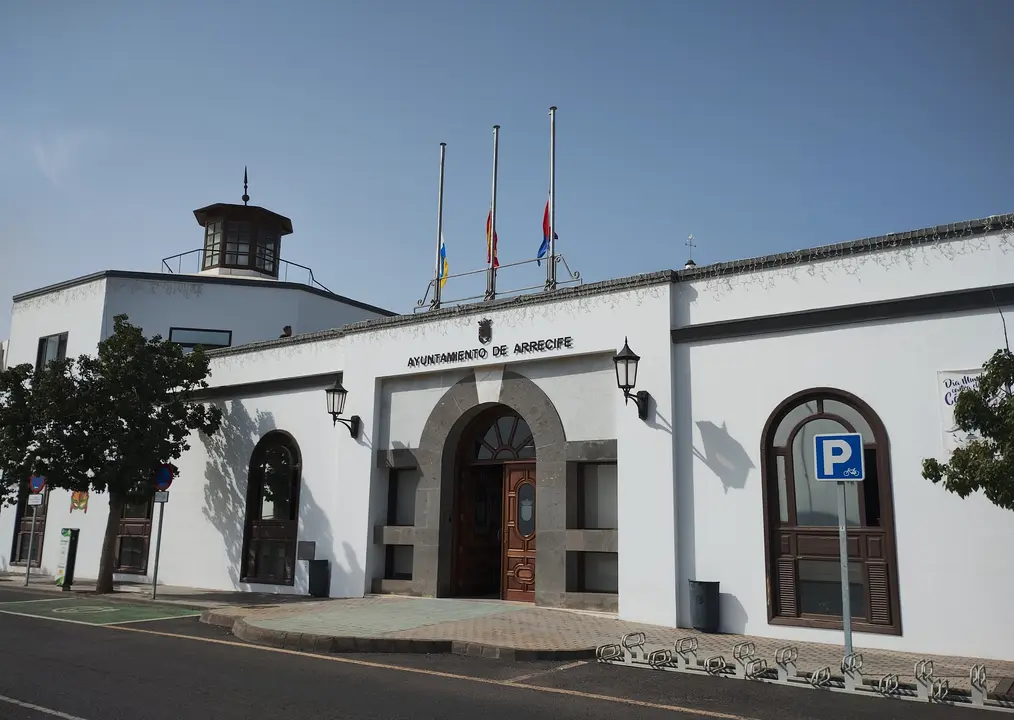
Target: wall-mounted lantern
626, 378
336, 405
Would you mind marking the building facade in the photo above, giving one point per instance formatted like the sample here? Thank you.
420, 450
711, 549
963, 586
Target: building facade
495, 456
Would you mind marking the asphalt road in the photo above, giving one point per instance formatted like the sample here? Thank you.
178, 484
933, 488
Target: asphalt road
179, 668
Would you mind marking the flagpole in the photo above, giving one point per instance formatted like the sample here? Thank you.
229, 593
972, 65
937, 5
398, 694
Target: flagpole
491, 239
440, 230
551, 265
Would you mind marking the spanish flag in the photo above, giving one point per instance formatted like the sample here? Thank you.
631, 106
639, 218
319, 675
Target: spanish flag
491, 256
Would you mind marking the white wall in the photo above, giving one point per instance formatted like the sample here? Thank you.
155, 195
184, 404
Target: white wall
203, 536
381, 385
923, 269
953, 596
75, 310
253, 313
86, 313
580, 387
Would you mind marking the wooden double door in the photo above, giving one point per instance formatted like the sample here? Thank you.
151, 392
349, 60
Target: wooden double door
494, 535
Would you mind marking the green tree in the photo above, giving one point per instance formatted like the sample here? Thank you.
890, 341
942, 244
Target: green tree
104, 423
30, 440
986, 463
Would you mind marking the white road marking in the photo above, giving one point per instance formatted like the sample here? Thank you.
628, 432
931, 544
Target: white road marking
170, 617
47, 617
39, 708
561, 668
25, 602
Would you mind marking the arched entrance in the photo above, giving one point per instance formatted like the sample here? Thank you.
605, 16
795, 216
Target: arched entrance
494, 508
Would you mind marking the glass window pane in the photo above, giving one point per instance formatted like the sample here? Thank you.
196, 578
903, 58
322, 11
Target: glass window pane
523, 433
483, 452
601, 572
796, 415
852, 416
783, 490
527, 452
817, 502
404, 484
598, 494
207, 338
276, 485
506, 427
401, 561
526, 509
820, 588
135, 510
505, 454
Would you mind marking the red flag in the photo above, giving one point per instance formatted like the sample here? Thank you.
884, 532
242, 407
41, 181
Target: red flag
491, 241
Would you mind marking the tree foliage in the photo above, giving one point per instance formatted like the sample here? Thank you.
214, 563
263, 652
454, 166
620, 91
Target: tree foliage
35, 408
985, 410
104, 422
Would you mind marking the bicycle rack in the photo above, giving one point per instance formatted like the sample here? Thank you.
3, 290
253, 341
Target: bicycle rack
851, 668
683, 656
785, 662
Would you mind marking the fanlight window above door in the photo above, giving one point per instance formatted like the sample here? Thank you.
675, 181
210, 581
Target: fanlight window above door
507, 438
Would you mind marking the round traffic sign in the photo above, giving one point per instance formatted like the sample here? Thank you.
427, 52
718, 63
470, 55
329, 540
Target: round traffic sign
38, 483
163, 477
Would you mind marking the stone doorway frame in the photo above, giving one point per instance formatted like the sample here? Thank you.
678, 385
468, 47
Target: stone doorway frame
436, 459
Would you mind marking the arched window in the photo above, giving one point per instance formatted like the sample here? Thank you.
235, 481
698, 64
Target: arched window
507, 438
801, 518
272, 511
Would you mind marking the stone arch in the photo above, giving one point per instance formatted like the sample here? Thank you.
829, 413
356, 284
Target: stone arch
436, 455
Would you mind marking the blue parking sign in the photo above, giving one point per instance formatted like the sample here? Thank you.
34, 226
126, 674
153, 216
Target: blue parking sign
839, 457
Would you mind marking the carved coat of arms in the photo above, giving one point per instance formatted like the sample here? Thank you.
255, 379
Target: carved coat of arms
485, 331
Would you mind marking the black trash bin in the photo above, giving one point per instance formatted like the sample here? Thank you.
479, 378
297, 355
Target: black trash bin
319, 581
704, 614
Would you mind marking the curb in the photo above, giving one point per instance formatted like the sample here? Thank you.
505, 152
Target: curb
309, 642
117, 596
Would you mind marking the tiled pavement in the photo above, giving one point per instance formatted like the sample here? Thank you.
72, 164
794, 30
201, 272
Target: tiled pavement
523, 627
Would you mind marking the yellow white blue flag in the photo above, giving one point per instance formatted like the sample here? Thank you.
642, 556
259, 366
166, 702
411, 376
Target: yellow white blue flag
442, 275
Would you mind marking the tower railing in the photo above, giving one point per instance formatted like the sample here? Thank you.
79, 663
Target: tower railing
195, 258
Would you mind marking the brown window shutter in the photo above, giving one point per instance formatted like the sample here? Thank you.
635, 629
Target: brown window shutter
880, 593
787, 587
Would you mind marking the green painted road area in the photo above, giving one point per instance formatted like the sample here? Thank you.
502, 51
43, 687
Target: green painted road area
95, 611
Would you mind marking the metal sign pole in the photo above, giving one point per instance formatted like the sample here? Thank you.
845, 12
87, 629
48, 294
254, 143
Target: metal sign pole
843, 552
158, 548
31, 544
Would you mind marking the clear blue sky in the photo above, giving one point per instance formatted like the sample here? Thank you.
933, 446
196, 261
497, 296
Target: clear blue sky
758, 126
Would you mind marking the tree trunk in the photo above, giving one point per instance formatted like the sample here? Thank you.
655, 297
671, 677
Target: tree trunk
107, 558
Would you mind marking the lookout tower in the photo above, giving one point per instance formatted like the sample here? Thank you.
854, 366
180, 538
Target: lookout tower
244, 240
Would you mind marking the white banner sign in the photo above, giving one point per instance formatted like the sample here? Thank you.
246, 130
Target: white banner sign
949, 384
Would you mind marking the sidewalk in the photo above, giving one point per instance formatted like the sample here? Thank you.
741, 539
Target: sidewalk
492, 628
487, 628
168, 594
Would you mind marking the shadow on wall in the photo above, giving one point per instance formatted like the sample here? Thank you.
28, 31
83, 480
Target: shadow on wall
733, 615
723, 455
229, 453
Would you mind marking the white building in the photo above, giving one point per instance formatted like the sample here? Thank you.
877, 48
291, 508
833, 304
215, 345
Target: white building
487, 426
236, 294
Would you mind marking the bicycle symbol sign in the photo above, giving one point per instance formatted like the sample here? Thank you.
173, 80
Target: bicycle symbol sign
84, 610
839, 457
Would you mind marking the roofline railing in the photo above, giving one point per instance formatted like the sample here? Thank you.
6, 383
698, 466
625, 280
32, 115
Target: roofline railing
426, 303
